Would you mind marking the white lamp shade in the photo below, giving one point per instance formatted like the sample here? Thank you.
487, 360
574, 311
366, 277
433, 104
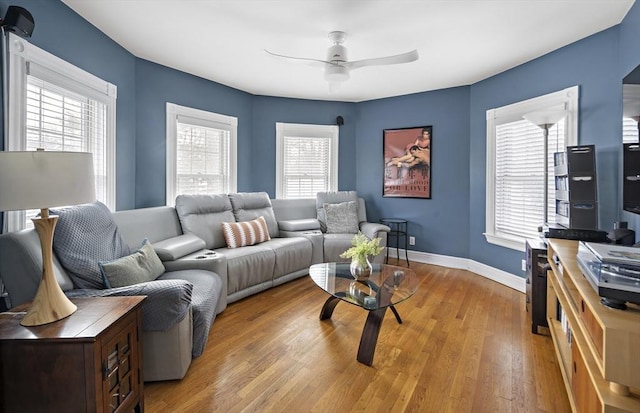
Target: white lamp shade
545, 118
43, 179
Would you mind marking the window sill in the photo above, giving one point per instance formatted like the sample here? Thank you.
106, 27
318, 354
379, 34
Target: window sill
512, 243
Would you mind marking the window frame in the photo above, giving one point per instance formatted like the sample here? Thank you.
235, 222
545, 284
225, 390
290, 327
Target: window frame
200, 118
569, 98
311, 131
24, 57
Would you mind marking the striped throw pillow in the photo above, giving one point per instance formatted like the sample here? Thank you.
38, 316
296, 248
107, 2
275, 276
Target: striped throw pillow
240, 234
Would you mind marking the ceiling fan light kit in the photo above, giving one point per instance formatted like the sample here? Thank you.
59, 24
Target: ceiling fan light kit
337, 65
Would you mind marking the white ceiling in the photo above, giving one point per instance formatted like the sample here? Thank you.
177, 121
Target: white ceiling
460, 42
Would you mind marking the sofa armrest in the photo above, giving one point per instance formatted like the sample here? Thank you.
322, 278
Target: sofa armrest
292, 225
373, 230
176, 247
204, 260
167, 302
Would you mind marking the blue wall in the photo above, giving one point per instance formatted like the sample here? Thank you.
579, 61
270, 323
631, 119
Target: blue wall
155, 86
269, 110
440, 224
599, 124
452, 222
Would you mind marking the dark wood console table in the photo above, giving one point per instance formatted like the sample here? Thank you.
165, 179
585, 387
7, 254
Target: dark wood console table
90, 361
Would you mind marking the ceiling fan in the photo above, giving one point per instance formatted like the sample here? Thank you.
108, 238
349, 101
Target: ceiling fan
337, 66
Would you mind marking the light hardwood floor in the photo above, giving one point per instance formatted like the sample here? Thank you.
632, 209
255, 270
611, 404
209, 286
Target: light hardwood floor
465, 346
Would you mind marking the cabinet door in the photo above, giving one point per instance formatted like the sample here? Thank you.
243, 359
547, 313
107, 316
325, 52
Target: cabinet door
582, 388
120, 371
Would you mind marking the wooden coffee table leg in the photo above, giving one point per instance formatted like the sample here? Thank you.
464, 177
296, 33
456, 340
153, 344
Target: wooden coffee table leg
370, 336
327, 308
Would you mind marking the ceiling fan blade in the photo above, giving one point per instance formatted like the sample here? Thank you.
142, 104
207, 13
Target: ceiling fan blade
312, 62
388, 60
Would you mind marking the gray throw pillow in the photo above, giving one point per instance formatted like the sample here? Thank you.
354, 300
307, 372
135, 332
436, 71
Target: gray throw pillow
331, 198
85, 235
142, 266
342, 218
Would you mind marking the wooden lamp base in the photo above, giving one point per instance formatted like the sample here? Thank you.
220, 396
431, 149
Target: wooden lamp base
50, 304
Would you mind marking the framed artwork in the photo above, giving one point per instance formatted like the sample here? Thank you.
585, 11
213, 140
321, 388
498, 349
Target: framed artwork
407, 162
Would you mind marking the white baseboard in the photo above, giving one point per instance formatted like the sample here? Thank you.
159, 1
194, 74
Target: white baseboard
499, 276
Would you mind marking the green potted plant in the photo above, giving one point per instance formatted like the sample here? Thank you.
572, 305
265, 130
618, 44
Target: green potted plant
359, 253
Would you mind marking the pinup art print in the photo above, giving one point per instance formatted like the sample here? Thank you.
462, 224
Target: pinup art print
407, 162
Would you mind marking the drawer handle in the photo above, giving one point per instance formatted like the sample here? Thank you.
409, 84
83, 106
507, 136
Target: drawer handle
582, 305
575, 368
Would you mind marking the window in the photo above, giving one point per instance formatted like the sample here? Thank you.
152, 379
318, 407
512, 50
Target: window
57, 106
516, 175
631, 114
306, 160
201, 152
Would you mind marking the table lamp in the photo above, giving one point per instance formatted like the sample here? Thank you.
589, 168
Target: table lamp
39, 180
545, 119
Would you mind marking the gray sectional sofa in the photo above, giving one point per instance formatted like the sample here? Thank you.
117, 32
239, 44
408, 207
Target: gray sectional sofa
200, 268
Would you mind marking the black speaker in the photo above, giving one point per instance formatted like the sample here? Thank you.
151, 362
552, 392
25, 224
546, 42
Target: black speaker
19, 21
340, 121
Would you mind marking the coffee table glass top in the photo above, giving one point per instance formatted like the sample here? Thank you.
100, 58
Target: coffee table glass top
388, 285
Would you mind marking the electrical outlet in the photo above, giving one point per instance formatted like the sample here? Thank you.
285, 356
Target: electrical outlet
524, 265
412, 240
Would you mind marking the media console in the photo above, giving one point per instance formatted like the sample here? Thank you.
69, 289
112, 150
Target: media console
598, 348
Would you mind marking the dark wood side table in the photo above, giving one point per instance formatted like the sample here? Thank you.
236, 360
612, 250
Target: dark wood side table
90, 361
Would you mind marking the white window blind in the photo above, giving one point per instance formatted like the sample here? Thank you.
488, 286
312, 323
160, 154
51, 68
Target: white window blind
306, 160
202, 159
629, 131
201, 155
61, 120
516, 176
306, 166
520, 177
59, 107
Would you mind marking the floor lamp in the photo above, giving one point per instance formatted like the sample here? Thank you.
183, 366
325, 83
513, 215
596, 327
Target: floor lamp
545, 119
39, 180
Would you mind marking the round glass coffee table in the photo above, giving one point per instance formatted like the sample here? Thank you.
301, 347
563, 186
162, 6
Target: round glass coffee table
387, 286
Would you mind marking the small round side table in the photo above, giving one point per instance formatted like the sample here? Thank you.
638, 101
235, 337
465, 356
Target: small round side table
398, 233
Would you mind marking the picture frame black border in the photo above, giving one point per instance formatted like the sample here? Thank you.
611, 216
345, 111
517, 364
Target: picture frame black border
384, 177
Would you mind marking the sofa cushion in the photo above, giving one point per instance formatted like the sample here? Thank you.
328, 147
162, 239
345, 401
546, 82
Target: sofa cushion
331, 198
291, 254
85, 235
141, 266
241, 234
342, 218
203, 216
251, 205
248, 266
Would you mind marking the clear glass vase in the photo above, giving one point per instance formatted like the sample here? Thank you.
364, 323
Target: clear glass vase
360, 267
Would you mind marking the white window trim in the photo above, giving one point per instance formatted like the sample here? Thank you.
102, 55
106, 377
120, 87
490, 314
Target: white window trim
61, 72
211, 119
311, 131
569, 98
